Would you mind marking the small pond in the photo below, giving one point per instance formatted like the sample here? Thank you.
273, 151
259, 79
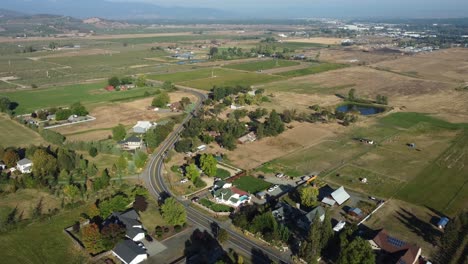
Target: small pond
363, 109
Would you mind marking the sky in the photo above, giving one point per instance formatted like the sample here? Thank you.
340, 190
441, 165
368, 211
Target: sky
251, 8
330, 8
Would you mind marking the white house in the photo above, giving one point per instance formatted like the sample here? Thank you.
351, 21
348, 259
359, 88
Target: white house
131, 143
24, 165
130, 220
232, 197
142, 127
129, 252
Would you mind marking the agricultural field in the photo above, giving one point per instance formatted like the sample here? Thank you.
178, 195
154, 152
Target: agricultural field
129, 113
314, 69
93, 93
206, 78
14, 134
324, 41
251, 184
262, 65
426, 175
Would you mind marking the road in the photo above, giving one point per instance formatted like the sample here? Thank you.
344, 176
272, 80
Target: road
153, 176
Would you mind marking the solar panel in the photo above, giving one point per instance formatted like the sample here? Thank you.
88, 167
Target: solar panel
395, 242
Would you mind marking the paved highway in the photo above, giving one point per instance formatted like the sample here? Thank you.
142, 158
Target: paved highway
153, 175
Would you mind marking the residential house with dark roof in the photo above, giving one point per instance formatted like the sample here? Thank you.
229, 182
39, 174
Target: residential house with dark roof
394, 250
306, 220
129, 252
131, 143
131, 220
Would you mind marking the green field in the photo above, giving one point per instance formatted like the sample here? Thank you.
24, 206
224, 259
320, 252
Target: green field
262, 65
14, 134
30, 100
42, 242
202, 78
432, 174
251, 184
322, 67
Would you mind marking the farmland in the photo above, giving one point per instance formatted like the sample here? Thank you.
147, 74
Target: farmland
262, 65
206, 78
30, 100
14, 134
392, 169
314, 69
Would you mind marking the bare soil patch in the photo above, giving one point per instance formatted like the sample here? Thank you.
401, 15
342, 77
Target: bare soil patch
442, 65
326, 41
77, 52
302, 135
354, 56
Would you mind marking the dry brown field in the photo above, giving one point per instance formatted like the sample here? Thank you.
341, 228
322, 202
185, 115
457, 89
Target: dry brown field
346, 55
325, 41
111, 114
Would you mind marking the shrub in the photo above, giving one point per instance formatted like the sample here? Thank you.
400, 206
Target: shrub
93, 152
177, 228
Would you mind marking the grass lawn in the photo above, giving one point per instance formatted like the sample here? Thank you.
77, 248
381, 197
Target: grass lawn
251, 184
152, 217
202, 78
262, 65
14, 134
31, 100
322, 67
42, 242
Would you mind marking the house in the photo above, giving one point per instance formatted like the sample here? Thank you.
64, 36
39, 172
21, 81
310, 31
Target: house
328, 201
24, 165
235, 107
201, 148
50, 117
340, 195
393, 250
231, 196
131, 143
131, 220
142, 127
441, 224
356, 212
261, 195
221, 184
110, 88
307, 219
129, 252
250, 137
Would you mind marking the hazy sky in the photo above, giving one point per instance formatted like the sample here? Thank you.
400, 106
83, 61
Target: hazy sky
348, 8
259, 8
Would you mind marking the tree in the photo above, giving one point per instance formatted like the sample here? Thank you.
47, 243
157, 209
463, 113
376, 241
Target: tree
183, 145
119, 132
208, 164
114, 81
222, 235
92, 210
326, 230
227, 141
4, 104
310, 250
140, 204
116, 203
71, 191
140, 158
44, 164
352, 94
309, 196
63, 114
78, 109
192, 172
92, 239
173, 212
161, 100
184, 102
11, 157
141, 81
274, 125
358, 251
112, 234
213, 51
93, 151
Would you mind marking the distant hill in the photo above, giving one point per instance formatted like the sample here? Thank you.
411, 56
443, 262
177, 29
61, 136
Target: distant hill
113, 10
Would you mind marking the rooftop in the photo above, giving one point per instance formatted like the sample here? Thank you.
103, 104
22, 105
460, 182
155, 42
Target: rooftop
128, 250
340, 195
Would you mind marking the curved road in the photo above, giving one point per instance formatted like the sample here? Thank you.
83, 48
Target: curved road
153, 175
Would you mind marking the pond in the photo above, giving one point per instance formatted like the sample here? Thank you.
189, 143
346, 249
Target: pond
363, 109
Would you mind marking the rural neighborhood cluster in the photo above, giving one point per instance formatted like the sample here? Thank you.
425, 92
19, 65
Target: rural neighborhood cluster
299, 141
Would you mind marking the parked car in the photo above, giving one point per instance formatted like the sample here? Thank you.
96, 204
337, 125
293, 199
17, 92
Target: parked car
184, 180
195, 199
280, 175
339, 226
372, 198
149, 238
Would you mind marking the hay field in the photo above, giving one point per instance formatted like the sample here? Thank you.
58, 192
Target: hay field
14, 134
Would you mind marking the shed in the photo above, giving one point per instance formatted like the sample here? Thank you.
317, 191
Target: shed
355, 212
328, 201
142, 127
340, 195
442, 222
261, 195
